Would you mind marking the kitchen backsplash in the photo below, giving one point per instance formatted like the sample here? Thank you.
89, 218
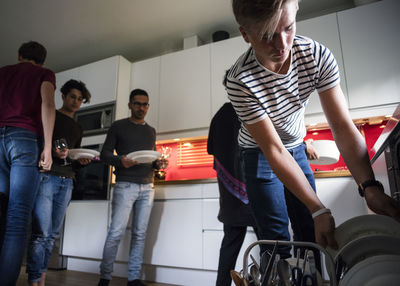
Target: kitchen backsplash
189, 160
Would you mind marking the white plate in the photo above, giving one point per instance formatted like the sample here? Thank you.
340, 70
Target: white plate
374, 271
364, 225
81, 153
367, 246
145, 156
327, 152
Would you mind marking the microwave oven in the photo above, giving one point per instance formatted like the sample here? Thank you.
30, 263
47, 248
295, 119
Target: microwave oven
96, 119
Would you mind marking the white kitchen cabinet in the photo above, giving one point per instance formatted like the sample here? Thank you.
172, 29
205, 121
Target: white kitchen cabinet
123, 88
210, 214
146, 75
213, 231
107, 80
370, 40
210, 191
223, 55
61, 79
167, 215
185, 101
324, 30
85, 229
178, 191
341, 196
210, 194
101, 79
174, 236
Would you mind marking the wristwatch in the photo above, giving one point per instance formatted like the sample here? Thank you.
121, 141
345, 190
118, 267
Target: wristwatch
368, 183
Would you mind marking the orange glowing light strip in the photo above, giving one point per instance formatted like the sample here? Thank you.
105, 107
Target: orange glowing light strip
193, 153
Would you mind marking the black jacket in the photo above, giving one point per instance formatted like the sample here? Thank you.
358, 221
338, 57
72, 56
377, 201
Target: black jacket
222, 143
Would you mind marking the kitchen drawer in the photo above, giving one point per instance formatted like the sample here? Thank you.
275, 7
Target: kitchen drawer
179, 191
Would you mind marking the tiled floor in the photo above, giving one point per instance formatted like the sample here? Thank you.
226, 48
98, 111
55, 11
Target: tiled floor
75, 278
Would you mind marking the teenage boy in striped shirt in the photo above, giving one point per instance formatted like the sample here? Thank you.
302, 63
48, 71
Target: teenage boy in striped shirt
269, 87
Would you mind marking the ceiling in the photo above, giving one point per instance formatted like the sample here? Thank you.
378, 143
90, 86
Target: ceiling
77, 32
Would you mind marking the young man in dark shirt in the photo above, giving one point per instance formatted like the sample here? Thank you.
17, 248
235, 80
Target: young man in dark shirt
134, 188
26, 118
56, 185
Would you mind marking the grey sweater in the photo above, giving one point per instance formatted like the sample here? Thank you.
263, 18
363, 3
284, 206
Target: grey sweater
125, 137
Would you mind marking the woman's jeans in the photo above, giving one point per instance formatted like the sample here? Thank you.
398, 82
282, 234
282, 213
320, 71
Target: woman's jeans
127, 197
48, 216
272, 202
19, 180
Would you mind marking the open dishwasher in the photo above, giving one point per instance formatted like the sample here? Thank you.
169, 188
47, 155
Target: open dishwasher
368, 255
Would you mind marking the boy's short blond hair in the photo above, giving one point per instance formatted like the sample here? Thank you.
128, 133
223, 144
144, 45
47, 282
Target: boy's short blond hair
249, 12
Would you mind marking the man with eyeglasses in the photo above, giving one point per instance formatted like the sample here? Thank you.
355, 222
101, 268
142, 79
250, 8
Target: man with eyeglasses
56, 185
133, 190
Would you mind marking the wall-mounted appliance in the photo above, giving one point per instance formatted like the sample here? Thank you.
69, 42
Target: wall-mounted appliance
97, 119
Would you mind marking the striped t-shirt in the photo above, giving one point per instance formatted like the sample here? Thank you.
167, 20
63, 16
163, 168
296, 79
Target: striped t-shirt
256, 92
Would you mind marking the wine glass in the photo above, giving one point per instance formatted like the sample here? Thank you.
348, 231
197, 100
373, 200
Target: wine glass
61, 144
166, 152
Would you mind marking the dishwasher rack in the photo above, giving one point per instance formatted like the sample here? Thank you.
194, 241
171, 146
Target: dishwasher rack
329, 263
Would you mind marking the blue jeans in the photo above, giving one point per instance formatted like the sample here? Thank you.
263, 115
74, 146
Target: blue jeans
19, 180
272, 203
127, 197
48, 215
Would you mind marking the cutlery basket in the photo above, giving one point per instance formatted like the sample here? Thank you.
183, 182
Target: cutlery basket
329, 262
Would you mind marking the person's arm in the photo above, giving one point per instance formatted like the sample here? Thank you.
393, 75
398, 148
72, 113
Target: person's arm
107, 152
48, 118
291, 175
354, 151
310, 150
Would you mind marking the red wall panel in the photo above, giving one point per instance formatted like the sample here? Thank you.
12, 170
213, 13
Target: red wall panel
198, 164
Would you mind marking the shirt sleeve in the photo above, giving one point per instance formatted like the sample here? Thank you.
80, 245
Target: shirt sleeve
328, 69
245, 103
107, 152
50, 77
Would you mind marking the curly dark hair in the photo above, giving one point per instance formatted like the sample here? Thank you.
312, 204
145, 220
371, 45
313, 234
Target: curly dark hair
71, 84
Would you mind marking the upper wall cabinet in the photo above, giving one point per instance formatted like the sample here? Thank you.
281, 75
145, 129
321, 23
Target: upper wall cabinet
104, 79
185, 101
223, 55
370, 42
146, 75
324, 30
101, 80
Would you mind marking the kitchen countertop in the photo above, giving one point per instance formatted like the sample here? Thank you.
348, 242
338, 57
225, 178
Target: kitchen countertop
318, 174
177, 182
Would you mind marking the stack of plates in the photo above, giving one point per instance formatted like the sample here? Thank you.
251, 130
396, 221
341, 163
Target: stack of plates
366, 241
379, 270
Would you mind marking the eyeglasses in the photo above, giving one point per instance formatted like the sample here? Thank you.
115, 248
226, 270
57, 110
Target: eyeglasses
140, 104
